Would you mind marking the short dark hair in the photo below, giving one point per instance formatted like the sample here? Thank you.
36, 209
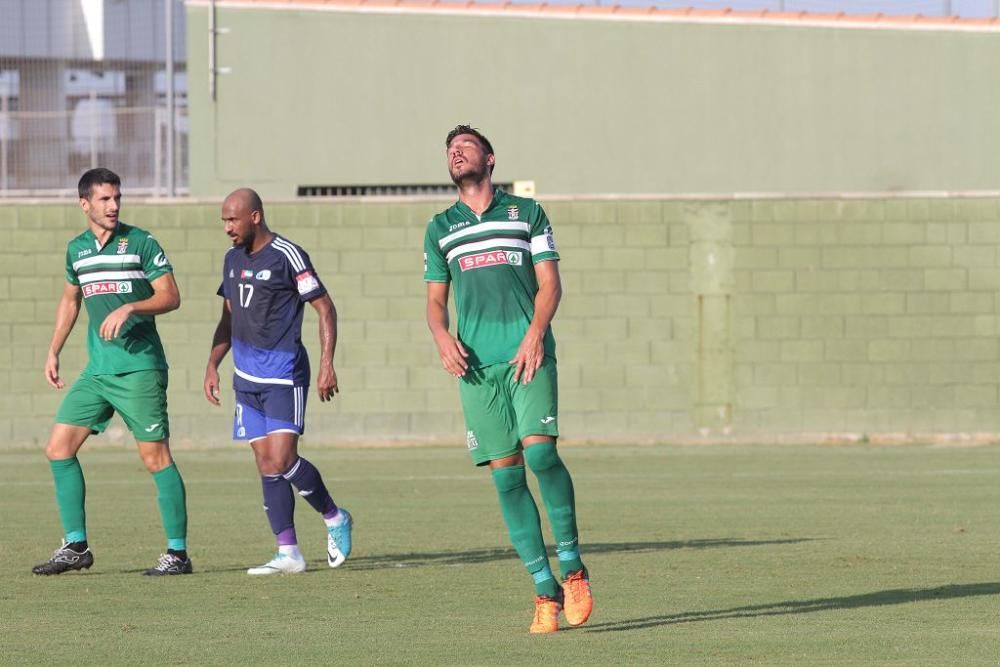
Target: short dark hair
468, 129
98, 176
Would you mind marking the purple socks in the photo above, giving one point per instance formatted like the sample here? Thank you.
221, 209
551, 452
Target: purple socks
279, 498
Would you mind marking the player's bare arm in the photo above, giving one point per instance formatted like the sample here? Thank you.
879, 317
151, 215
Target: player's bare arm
531, 352
166, 297
450, 349
221, 342
326, 379
66, 313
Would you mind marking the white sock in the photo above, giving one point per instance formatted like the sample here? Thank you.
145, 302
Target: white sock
336, 520
290, 550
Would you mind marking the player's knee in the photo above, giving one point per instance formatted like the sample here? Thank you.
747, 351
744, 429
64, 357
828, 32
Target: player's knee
56, 451
509, 478
157, 460
273, 463
542, 456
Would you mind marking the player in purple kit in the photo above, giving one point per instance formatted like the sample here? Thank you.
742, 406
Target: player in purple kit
266, 282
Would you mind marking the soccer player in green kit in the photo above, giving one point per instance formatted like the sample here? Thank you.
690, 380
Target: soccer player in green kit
499, 253
123, 277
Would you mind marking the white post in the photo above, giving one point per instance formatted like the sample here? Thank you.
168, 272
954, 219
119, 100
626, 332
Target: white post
93, 128
5, 128
157, 151
171, 111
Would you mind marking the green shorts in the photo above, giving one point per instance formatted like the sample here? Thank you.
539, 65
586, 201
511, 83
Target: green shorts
499, 412
139, 397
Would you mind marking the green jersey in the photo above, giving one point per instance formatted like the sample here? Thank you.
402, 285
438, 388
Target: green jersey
120, 272
490, 259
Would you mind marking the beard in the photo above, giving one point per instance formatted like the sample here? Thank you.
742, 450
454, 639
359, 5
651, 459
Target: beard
468, 173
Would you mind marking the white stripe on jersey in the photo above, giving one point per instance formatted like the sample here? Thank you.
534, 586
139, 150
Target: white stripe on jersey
540, 244
291, 252
110, 275
485, 226
106, 259
485, 245
254, 378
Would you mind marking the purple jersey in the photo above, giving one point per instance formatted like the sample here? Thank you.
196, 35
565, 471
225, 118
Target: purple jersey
267, 291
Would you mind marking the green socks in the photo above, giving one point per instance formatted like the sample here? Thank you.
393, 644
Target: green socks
524, 525
556, 487
71, 492
173, 506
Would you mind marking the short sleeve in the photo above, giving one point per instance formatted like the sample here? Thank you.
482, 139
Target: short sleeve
71, 276
223, 290
307, 282
435, 263
543, 244
154, 260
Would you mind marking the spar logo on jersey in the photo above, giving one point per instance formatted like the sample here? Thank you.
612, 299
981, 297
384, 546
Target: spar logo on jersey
490, 258
306, 282
122, 246
109, 287
512, 213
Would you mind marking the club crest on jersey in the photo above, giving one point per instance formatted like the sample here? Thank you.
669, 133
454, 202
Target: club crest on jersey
107, 287
490, 258
306, 282
122, 246
512, 213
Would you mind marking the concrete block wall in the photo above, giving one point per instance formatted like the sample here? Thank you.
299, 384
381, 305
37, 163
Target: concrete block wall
680, 320
866, 316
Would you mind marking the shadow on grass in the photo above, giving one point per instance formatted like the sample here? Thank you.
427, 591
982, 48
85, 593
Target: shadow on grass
473, 556
876, 599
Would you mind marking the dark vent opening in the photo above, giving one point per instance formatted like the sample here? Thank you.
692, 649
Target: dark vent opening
383, 190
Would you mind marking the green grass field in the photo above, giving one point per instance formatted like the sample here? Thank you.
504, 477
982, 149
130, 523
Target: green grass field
698, 555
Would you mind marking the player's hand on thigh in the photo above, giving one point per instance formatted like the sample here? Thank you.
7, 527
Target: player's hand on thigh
453, 354
528, 358
211, 385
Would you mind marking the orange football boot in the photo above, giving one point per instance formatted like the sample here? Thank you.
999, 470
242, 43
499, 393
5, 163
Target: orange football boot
546, 615
578, 602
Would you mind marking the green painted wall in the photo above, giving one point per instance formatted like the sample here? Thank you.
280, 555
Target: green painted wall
590, 106
757, 319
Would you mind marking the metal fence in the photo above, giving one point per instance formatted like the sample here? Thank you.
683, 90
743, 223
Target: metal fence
43, 153
85, 84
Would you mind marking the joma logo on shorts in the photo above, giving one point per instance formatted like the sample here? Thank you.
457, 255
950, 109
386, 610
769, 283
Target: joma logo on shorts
491, 258
111, 287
